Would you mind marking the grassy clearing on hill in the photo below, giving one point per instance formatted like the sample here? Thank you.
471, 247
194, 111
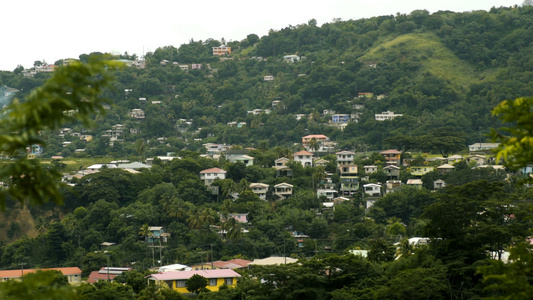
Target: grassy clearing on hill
433, 56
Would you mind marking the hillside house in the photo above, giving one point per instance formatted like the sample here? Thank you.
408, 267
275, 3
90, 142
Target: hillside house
487, 147
342, 118
365, 95
372, 189
283, 190
478, 159
370, 169
260, 189
392, 171
345, 158
329, 194
304, 157
320, 138
137, 114
392, 186
387, 116
245, 159
417, 183
157, 234
177, 280
208, 176
439, 184
106, 274
392, 156
221, 50
73, 274
348, 185
454, 159
320, 162
291, 58
445, 169
421, 170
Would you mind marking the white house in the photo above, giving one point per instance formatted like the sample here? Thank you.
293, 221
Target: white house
304, 157
386, 115
208, 176
345, 158
329, 194
372, 189
260, 189
283, 190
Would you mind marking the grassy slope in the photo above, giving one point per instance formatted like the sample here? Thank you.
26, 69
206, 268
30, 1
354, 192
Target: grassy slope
434, 57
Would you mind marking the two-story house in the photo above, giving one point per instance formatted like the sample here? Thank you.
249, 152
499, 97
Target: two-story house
392, 171
260, 189
320, 138
222, 50
208, 176
283, 190
304, 157
345, 158
392, 156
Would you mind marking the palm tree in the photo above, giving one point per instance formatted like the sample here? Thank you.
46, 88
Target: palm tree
194, 221
176, 208
145, 231
318, 175
314, 144
233, 229
405, 249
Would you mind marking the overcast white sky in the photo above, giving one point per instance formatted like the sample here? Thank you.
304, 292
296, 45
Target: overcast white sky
55, 29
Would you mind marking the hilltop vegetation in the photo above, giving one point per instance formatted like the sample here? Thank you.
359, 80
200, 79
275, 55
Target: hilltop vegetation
442, 69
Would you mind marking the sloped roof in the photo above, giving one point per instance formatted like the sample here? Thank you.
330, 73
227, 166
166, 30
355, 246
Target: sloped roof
213, 170
283, 184
183, 275
303, 152
273, 261
446, 166
232, 264
315, 136
391, 151
17, 273
134, 165
345, 152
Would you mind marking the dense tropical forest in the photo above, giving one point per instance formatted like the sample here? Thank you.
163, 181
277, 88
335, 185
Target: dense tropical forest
444, 72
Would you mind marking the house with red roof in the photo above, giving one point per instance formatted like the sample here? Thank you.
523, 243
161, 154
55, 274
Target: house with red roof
106, 274
178, 280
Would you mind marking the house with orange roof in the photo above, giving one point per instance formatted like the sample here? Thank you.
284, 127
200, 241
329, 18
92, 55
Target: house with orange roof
392, 156
73, 273
320, 138
208, 176
304, 157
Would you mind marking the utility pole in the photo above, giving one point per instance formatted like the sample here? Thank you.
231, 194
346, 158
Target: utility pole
211, 256
160, 255
22, 271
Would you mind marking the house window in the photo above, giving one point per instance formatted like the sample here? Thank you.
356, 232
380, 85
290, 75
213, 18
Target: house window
181, 283
213, 282
229, 281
